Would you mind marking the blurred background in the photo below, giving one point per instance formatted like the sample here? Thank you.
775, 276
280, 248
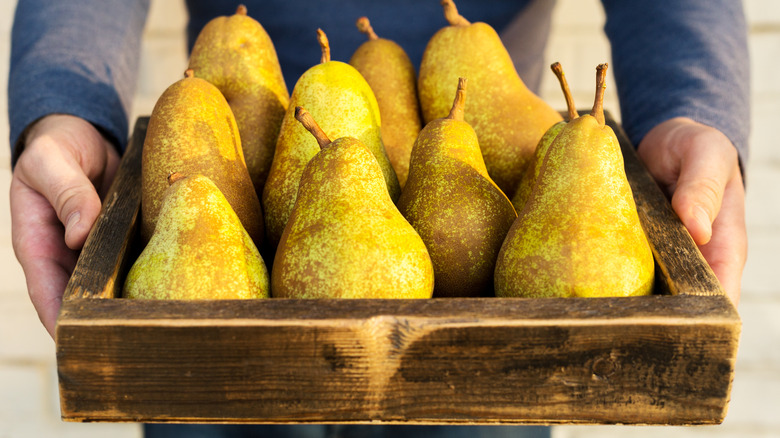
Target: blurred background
29, 403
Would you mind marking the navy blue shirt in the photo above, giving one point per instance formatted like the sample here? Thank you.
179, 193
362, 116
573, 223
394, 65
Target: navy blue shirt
670, 58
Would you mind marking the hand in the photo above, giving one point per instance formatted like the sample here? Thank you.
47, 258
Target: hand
55, 201
698, 168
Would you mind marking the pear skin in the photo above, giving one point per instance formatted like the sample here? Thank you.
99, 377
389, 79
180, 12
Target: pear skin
460, 213
236, 55
345, 237
579, 234
199, 249
344, 105
508, 118
532, 171
192, 131
391, 75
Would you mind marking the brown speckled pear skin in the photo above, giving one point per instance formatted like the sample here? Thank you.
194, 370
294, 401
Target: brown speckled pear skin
508, 118
579, 234
534, 166
236, 55
344, 105
199, 250
345, 237
460, 213
391, 75
192, 131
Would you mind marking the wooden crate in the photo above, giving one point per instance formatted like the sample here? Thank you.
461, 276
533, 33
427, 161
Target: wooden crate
662, 359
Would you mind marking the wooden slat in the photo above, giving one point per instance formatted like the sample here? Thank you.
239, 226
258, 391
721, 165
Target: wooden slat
663, 359
99, 269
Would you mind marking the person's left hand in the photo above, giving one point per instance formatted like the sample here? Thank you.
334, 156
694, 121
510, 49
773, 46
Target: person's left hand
697, 166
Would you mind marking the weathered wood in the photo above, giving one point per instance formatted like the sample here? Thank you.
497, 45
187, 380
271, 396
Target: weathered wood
663, 359
102, 262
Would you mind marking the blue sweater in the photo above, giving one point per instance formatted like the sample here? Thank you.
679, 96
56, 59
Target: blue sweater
670, 58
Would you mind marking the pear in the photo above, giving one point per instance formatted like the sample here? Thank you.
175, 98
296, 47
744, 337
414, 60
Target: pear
460, 213
579, 234
192, 131
532, 171
343, 103
508, 118
236, 55
391, 75
345, 237
199, 249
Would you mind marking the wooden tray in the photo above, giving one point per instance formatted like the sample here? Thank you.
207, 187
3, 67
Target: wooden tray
663, 359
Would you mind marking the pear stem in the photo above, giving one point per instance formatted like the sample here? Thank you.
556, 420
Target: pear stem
452, 15
323, 40
456, 113
241, 10
558, 70
364, 26
311, 125
189, 73
601, 85
174, 176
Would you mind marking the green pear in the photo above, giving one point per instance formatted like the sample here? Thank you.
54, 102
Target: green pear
199, 249
345, 106
391, 75
192, 131
579, 234
508, 118
532, 171
345, 237
236, 55
460, 213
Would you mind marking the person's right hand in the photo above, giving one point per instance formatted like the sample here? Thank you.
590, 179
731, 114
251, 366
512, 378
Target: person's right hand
65, 163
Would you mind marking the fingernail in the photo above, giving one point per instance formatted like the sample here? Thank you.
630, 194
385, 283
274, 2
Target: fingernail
703, 219
73, 220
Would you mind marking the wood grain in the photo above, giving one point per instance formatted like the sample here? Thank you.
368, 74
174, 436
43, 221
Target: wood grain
662, 359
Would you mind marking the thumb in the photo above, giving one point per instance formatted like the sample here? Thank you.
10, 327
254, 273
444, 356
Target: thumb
699, 191
52, 166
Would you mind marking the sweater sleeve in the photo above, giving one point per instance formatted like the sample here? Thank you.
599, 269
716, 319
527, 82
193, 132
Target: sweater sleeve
74, 57
686, 58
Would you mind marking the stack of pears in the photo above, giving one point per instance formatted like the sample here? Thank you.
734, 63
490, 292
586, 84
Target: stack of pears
578, 234
345, 237
344, 105
508, 118
391, 75
460, 213
236, 55
199, 249
192, 131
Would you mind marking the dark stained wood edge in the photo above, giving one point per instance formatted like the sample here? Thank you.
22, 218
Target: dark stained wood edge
679, 261
102, 262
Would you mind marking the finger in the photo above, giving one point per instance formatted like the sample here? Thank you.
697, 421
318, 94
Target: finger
57, 175
699, 190
38, 245
726, 252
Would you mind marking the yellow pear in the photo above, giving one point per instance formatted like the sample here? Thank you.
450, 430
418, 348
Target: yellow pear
508, 118
532, 171
199, 249
391, 75
460, 213
345, 237
192, 131
344, 105
236, 55
579, 234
